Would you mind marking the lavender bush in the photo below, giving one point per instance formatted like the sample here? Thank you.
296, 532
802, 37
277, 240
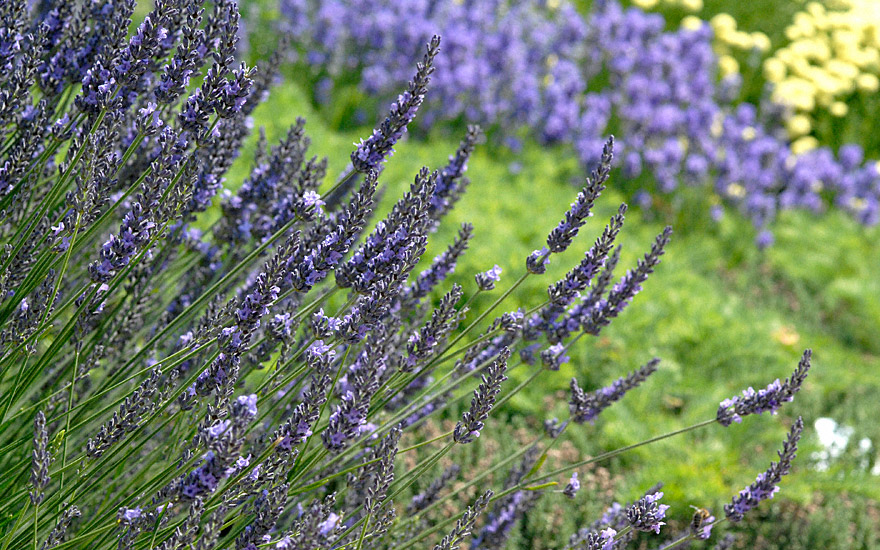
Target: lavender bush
174, 379
543, 69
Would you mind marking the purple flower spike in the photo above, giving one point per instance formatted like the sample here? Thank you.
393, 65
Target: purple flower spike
560, 238
767, 483
373, 151
554, 356
585, 407
468, 428
601, 540
573, 486
487, 279
537, 261
646, 514
768, 399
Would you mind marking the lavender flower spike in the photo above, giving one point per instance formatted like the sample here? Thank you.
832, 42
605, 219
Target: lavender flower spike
487, 279
601, 540
646, 515
573, 486
452, 183
537, 261
768, 399
57, 535
463, 526
41, 459
560, 238
626, 288
766, 484
373, 151
468, 428
585, 407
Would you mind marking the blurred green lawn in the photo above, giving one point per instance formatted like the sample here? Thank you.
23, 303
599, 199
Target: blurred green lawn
720, 314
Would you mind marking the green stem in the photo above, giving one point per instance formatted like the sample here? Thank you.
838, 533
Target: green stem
67, 420
11, 534
621, 450
36, 533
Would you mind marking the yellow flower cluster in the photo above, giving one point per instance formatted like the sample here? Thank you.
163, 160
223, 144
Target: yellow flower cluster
687, 5
729, 39
834, 52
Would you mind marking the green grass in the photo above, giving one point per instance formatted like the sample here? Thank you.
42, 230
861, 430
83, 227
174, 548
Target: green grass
720, 314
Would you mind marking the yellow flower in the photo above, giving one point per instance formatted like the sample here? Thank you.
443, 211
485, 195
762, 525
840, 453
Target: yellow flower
723, 21
797, 93
816, 9
728, 65
839, 109
736, 190
867, 82
801, 27
684, 143
748, 133
787, 336
645, 4
741, 40
804, 144
798, 125
774, 70
761, 41
842, 69
691, 23
858, 204
717, 127
692, 5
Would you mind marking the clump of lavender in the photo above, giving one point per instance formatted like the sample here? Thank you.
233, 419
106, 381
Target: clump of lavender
251, 363
563, 76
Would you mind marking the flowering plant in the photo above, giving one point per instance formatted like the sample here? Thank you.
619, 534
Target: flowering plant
170, 387
544, 70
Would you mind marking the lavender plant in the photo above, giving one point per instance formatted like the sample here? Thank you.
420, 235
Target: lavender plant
169, 381
544, 69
